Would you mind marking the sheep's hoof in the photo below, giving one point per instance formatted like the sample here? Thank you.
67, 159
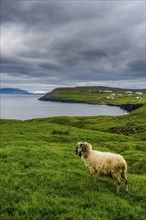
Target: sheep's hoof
126, 189
93, 179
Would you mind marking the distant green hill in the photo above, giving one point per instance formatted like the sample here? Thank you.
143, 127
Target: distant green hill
13, 91
97, 95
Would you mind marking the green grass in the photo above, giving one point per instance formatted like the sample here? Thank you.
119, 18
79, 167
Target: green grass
43, 178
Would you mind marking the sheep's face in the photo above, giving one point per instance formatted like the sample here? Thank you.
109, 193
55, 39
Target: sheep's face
82, 147
79, 149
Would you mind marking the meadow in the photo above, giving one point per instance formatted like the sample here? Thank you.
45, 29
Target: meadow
42, 178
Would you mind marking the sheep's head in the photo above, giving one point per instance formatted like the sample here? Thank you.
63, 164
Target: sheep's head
83, 147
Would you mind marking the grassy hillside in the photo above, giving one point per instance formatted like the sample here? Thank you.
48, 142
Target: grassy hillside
43, 178
98, 94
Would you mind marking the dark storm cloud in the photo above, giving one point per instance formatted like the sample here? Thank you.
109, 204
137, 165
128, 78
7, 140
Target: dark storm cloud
137, 65
33, 13
51, 66
93, 54
78, 41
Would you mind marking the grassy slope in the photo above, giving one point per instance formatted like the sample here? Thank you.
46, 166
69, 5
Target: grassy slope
42, 178
99, 97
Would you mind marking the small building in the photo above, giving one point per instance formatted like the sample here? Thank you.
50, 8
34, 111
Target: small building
107, 91
129, 92
119, 94
139, 93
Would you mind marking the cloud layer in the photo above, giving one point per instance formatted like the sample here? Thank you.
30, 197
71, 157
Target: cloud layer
59, 43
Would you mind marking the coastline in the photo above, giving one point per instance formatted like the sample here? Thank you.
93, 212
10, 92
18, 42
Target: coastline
128, 107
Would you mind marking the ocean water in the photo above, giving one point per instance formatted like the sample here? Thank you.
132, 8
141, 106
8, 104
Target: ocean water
25, 107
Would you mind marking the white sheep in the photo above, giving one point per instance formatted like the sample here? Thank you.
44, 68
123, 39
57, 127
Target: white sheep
109, 164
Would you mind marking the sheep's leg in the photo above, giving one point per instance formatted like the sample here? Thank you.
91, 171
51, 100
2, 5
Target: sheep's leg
126, 181
93, 174
124, 176
118, 182
126, 185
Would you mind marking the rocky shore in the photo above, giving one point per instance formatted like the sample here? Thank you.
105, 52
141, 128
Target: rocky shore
128, 107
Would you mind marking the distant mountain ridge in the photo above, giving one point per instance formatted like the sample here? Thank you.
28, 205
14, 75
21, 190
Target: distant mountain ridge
13, 91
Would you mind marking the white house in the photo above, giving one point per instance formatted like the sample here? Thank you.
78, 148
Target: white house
139, 93
108, 91
119, 94
129, 92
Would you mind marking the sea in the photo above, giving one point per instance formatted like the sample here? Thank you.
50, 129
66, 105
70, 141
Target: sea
24, 107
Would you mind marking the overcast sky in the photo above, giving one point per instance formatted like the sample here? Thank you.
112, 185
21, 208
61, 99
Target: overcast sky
48, 44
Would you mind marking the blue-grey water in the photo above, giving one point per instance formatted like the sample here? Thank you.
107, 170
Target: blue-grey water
25, 107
